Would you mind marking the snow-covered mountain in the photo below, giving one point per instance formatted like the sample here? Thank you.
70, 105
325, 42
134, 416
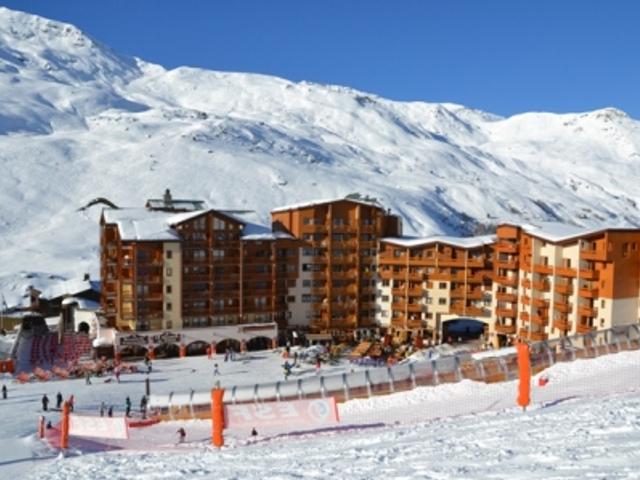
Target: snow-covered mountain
78, 121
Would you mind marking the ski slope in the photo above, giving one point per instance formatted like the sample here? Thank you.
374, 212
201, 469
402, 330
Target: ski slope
80, 121
583, 424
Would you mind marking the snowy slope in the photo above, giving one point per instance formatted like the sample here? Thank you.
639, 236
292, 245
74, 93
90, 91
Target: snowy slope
583, 424
80, 121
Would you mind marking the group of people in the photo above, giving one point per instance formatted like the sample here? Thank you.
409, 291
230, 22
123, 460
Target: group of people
59, 401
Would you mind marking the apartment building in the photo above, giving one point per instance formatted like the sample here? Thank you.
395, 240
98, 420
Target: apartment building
336, 290
424, 282
552, 280
162, 269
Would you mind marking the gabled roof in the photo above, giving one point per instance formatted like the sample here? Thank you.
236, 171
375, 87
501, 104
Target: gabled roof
313, 203
141, 224
556, 232
462, 242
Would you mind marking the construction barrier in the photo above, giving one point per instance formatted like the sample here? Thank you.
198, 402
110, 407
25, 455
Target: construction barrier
491, 366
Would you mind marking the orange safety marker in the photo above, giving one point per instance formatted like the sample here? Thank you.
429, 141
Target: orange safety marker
524, 369
217, 417
183, 350
64, 426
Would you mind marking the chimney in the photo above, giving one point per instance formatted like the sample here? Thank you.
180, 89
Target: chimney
167, 198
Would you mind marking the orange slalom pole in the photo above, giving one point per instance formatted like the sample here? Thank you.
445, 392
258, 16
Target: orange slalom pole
524, 369
217, 417
64, 426
41, 427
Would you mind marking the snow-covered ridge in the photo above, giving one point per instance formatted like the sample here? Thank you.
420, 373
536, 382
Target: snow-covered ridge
80, 121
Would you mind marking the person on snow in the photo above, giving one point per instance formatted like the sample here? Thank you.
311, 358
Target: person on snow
216, 372
87, 378
254, 432
59, 400
72, 400
103, 407
4, 392
116, 373
110, 411
127, 407
45, 402
148, 367
143, 406
181, 435
287, 370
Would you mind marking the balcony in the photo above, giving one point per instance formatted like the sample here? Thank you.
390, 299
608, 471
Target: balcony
540, 302
562, 325
508, 281
589, 292
506, 264
589, 274
587, 311
458, 293
415, 292
593, 255
542, 268
398, 306
524, 316
414, 307
506, 312
526, 300
415, 276
506, 297
368, 244
399, 292
566, 272
563, 307
504, 329
411, 323
321, 228
539, 320
564, 288
584, 328
475, 294
526, 283
507, 247
450, 261
543, 286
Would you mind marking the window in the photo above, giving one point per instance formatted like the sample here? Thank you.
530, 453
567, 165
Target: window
602, 322
291, 299
169, 254
385, 283
168, 306
625, 249
169, 271
218, 224
385, 298
442, 285
602, 303
306, 298
384, 314
429, 315
168, 288
428, 300
442, 301
306, 283
217, 253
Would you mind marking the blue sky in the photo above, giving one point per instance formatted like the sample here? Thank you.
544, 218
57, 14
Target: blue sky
501, 56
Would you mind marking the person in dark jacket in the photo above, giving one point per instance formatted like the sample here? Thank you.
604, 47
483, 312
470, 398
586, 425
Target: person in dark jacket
59, 400
4, 392
45, 402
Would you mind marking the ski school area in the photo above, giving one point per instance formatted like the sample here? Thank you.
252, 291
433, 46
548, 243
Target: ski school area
200, 404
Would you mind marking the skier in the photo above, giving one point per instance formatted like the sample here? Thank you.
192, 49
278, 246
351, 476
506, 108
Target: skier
45, 402
103, 407
216, 372
116, 372
72, 400
59, 400
143, 406
87, 378
254, 432
148, 367
110, 411
287, 370
181, 435
4, 392
127, 406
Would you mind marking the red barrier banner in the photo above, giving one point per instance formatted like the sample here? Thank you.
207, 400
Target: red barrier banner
98, 427
295, 414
